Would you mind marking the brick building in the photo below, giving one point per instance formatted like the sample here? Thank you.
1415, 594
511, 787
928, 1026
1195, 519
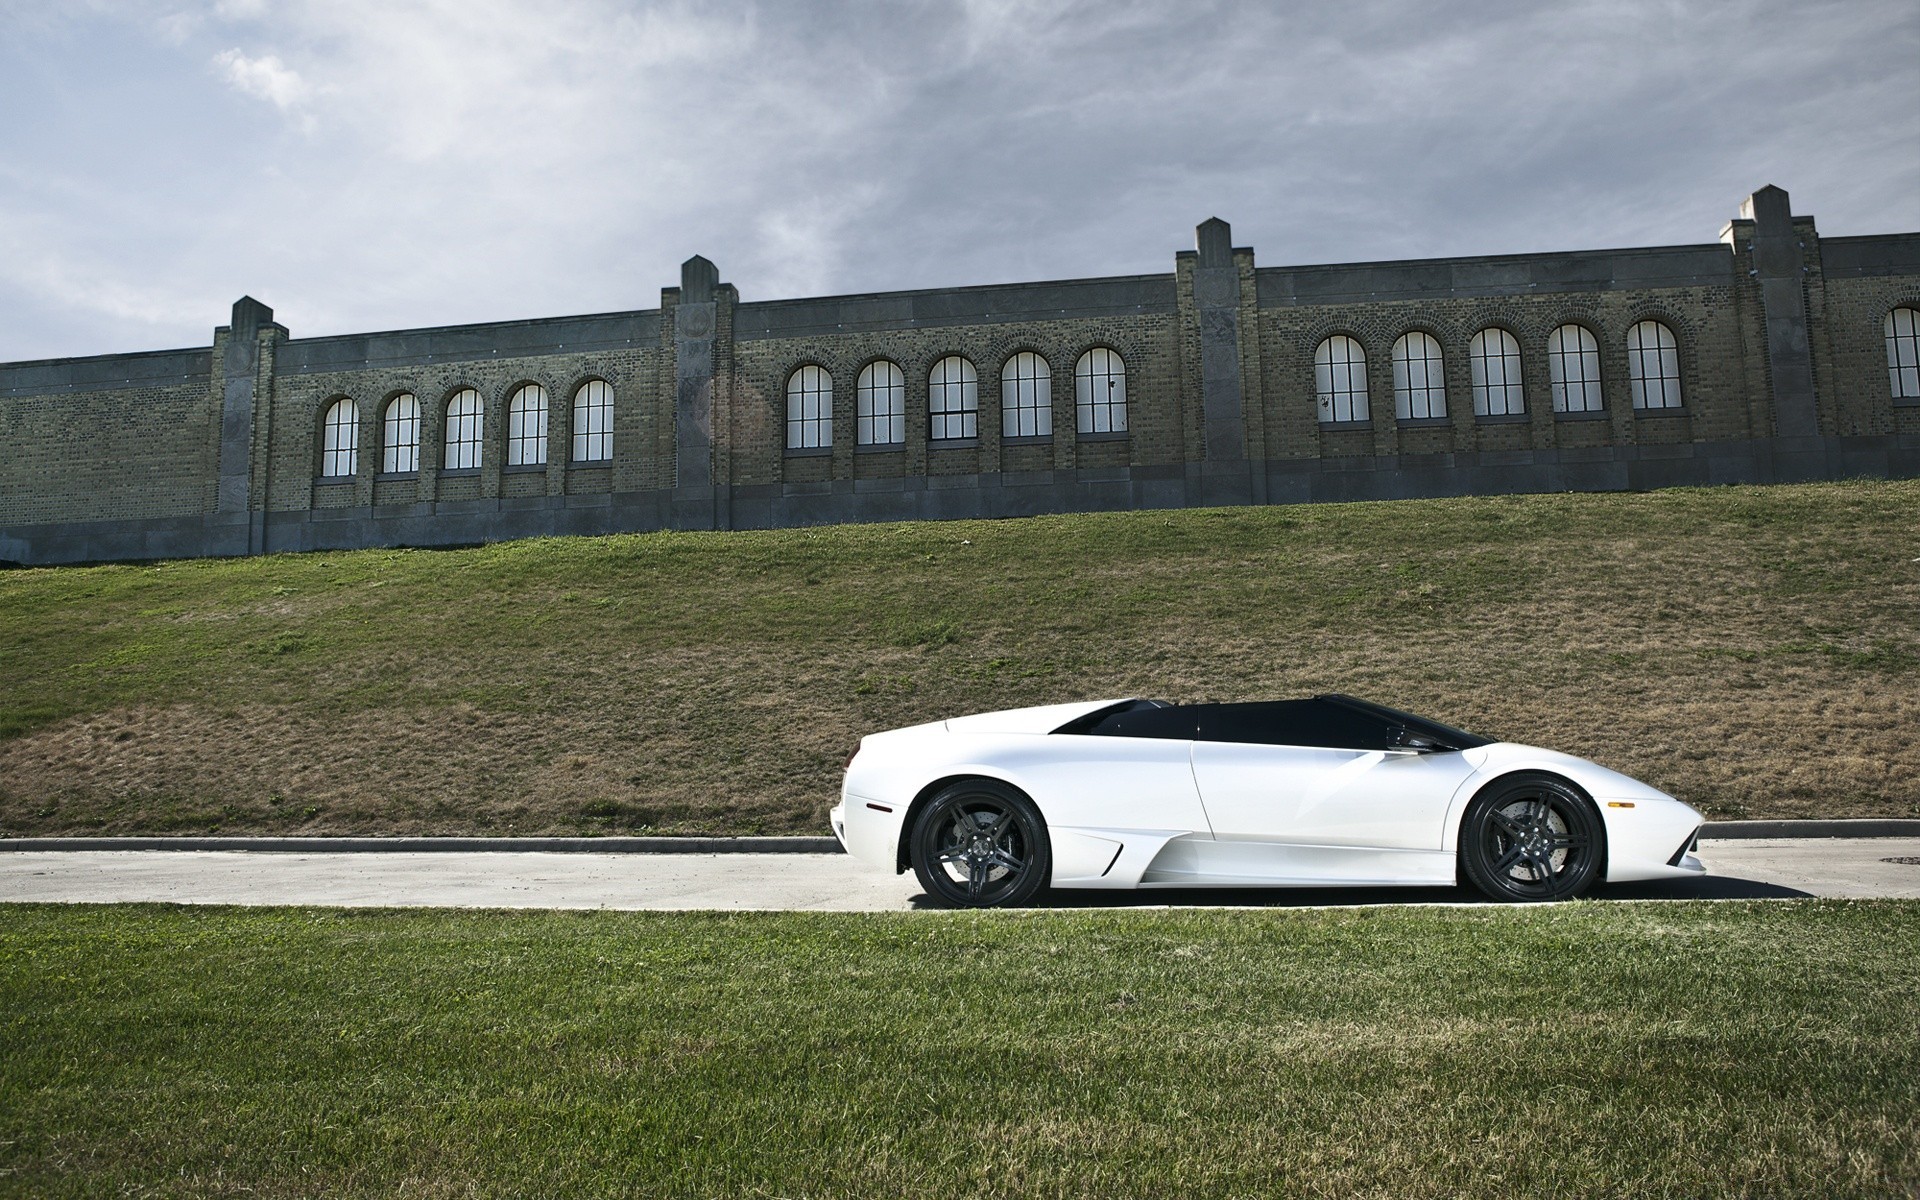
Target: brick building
1772, 354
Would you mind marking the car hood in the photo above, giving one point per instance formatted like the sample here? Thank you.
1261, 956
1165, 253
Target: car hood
1602, 783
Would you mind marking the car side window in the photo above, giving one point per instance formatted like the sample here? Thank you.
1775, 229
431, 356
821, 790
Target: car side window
1173, 721
1293, 723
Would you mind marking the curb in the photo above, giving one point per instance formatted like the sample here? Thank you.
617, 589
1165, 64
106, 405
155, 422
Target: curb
1712, 831
753, 845
431, 845
1866, 827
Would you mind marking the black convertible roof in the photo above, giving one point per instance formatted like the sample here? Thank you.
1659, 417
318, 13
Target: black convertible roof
1281, 713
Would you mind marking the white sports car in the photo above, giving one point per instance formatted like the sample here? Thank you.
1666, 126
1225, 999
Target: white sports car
989, 809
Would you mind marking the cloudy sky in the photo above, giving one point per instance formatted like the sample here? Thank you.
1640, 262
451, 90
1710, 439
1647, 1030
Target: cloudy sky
378, 164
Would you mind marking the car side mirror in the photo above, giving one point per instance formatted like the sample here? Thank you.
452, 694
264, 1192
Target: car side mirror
1402, 740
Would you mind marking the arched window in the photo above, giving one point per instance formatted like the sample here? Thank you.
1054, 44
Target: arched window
1100, 392
1026, 396
1493, 359
1573, 364
1653, 366
527, 426
1903, 353
400, 435
593, 422
809, 408
1340, 379
340, 440
1419, 378
880, 405
953, 400
463, 430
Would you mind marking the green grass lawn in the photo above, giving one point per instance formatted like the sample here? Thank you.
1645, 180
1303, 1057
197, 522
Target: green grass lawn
1589, 1049
1755, 651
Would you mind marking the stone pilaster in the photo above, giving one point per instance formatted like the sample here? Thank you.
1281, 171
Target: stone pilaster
694, 327
243, 392
1779, 264
1217, 302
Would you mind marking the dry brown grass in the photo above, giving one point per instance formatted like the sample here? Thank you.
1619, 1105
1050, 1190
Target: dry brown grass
1756, 651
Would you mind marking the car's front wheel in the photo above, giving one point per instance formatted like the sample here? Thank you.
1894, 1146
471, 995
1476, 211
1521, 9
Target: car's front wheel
1531, 837
979, 843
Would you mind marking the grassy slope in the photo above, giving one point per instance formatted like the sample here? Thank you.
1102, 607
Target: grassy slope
1581, 1050
1753, 650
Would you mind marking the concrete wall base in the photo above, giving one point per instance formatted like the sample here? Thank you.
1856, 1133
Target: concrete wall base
919, 498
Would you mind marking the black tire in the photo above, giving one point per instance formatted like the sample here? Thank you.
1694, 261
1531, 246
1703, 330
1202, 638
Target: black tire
981, 844
1530, 838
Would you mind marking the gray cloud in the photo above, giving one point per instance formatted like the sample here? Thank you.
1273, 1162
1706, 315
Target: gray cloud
364, 165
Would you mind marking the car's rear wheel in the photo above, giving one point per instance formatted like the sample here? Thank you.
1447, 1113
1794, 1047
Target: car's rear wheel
1531, 837
979, 843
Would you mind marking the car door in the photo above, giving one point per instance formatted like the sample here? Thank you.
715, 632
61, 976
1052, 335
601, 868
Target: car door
1130, 769
1119, 788
1311, 791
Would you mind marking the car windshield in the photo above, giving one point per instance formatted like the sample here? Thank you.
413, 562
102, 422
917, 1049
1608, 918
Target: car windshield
1447, 735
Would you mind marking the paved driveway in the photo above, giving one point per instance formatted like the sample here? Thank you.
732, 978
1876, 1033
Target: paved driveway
828, 882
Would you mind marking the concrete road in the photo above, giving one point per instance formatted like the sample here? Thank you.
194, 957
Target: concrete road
1851, 867
1842, 867
480, 879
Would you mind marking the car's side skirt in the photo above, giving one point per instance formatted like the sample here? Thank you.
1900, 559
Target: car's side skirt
1204, 862
1099, 857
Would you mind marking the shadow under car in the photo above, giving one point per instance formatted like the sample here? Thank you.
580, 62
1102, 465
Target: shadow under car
1704, 887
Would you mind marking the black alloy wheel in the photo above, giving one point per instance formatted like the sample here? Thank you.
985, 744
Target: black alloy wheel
1531, 837
981, 844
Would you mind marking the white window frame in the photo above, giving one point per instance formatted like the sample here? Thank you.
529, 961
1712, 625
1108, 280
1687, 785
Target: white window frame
1026, 397
340, 440
1419, 377
400, 435
1574, 371
1340, 380
1653, 366
880, 404
810, 408
1493, 360
593, 422
527, 426
953, 400
1902, 328
1100, 391
466, 415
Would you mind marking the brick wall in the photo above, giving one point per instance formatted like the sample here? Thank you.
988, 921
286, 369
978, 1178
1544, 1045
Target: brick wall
107, 439
1704, 321
121, 456
1868, 278
762, 368
300, 402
